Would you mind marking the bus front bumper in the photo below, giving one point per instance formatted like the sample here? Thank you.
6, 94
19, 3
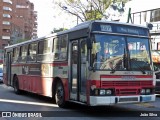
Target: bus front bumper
110, 100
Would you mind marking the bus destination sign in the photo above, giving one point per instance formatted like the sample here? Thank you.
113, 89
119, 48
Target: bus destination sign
124, 29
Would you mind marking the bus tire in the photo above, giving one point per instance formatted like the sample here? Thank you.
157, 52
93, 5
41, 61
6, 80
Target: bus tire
16, 86
60, 95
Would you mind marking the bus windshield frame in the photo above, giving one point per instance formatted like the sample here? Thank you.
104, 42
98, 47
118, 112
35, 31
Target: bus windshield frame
120, 53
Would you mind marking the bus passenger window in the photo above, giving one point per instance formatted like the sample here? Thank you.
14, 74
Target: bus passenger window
44, 47
23, 53
15, 55
32, 52
44, 50
60, 48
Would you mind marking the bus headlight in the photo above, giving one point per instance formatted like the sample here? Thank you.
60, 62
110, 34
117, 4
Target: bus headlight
143, 91
105, 92
148, 91
108, 92
102, 92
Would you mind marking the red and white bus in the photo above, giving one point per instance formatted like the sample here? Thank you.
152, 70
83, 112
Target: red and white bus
94, 63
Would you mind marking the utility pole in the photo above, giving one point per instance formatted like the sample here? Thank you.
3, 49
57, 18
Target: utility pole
129, 16
77, 19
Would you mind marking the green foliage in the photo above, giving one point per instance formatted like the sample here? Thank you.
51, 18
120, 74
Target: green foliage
88, 9
93, 15
20, 40
58, 30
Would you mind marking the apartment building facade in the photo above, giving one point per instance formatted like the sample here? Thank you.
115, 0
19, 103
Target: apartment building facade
18, 22
147, 13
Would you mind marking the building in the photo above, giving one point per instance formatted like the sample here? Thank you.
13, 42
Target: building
146, 12
24, 20
18, 21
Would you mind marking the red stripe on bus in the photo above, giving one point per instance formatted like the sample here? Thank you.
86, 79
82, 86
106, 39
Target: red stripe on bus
60, 64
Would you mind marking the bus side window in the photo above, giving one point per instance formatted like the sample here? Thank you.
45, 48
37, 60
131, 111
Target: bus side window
23, 53
60, 48
32, 52
15, 55
44, 50
56, 48
63, 48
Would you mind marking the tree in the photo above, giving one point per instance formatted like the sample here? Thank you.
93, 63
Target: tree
115, 10
20, 40
58, 30
86, 9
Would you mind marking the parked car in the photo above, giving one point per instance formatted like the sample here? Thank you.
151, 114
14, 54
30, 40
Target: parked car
1, 74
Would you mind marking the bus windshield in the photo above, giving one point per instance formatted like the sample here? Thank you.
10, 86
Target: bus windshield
120, 53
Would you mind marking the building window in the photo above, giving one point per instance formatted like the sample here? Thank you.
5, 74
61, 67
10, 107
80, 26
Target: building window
6, 23
6, 37
7, 1
22, 6
155, 15
6, 30
7, 8
7, 15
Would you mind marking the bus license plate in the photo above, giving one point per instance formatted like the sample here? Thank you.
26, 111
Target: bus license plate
145, 99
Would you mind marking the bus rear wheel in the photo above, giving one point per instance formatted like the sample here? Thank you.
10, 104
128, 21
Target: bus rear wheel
16, 86
60, 95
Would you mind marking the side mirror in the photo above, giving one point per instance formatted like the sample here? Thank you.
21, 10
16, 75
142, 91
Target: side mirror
150, 26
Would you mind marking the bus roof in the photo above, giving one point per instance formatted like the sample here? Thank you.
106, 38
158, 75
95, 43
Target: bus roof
78, 27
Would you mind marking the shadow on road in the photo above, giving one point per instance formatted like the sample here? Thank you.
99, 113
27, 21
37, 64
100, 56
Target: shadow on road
77, 110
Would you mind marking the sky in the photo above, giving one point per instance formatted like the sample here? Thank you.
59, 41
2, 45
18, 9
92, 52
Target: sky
49, 18
142, 5
45, 16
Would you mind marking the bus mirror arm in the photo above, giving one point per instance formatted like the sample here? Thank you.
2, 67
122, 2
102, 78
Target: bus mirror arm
91, 68
89, 43
158, 73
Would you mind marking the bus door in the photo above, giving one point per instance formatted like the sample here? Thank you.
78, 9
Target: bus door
78, 70
8, 68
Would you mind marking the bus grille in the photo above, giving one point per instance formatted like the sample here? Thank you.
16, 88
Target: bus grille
126, 83
126, 87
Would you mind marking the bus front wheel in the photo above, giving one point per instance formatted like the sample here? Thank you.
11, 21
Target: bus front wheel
60, 95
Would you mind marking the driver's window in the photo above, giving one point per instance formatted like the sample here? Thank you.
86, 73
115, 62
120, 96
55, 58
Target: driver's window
107, 48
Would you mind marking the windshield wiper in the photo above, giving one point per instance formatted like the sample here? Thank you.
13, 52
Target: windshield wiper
140, 68
112, 71
122, 62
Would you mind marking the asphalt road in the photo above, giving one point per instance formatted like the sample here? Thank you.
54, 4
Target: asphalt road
34, 107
